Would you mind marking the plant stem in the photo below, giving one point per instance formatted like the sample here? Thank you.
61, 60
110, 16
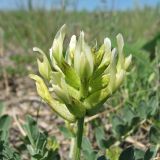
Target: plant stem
78, 139
72, 146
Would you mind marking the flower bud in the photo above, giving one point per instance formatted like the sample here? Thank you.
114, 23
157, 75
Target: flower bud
58, 107
56, 80
98, 56
127, 62
82, 79
120, 43
112, 71
60, 94
119, 78
56, 53
83, 55
65, 95
43, 65
107, 52
71, 50
41, 88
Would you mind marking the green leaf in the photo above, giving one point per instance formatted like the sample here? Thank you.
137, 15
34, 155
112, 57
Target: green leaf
107, 143
7, 152
142, 110
139, 154
100, 135
5, 123
88, 152
154, 134
31, 130
119, 126
66, 132
100, 138
135, 121
150, 153
86, 145
153, 106
128, 114
89, 155
41, 141
127, 154
121, 130
102, 158
52, 155
2, 107
40, 146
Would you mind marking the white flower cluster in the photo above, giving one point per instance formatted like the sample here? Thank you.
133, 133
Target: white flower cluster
80, 80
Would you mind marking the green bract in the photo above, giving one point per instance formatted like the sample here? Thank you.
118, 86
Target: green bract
80, 81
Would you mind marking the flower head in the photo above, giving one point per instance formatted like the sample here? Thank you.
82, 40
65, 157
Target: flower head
83, 79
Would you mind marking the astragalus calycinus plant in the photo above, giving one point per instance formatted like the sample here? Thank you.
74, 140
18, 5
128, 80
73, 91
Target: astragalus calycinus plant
76, 84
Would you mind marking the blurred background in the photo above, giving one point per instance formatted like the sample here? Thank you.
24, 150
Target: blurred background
25, 24
28, 23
